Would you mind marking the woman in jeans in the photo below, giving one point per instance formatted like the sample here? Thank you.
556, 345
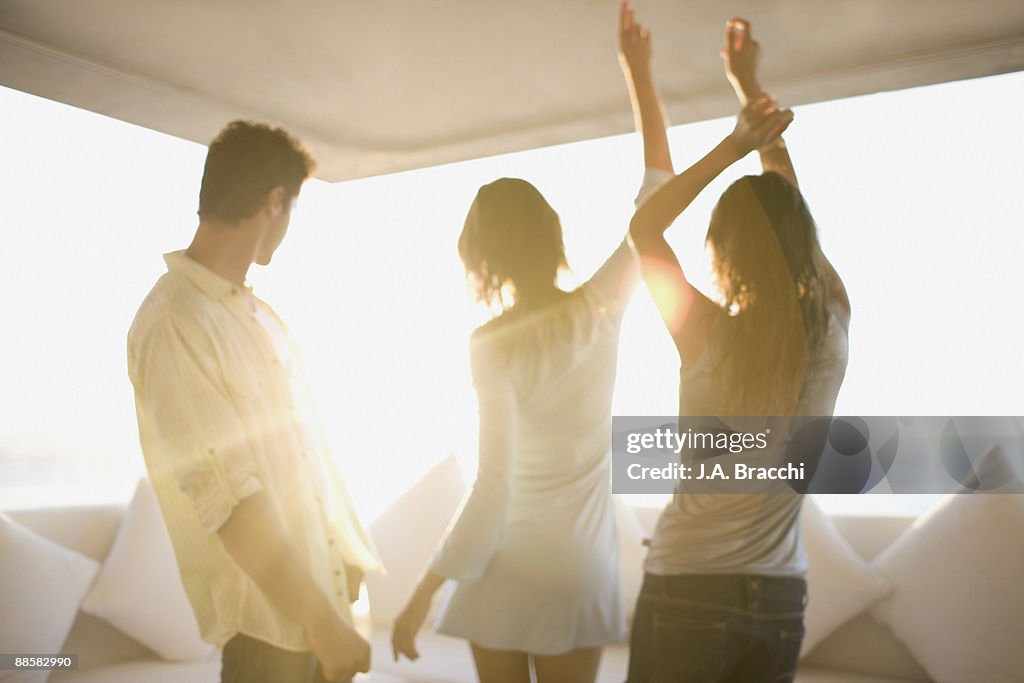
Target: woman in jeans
724, 592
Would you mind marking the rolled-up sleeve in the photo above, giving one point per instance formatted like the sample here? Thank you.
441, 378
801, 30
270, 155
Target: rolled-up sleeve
188, 409
479, 525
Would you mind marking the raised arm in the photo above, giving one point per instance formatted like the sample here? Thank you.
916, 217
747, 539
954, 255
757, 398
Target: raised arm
634, 46
760, 122
742, 56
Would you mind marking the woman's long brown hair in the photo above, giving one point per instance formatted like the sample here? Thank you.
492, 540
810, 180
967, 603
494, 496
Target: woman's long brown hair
766, 258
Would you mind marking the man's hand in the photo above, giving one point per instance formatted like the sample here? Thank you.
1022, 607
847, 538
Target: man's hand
634, 42
742, 54
341, 651
408, 624
256, 540
759, 123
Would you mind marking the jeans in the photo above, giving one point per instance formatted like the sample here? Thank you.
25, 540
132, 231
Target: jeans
247, 660
707, 628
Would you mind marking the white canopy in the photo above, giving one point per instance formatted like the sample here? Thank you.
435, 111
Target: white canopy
377, 87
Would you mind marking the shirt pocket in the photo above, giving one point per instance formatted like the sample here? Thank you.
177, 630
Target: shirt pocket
245, 381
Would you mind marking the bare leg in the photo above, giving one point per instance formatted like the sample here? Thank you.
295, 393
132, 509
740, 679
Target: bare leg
577, 666
501, 666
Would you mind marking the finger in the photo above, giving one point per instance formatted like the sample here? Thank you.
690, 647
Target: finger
407, 647
759, 127
761, 103
645, 35
739, 35
771, 128
622, 16
768, 122
787, 118
745, 31
727, 46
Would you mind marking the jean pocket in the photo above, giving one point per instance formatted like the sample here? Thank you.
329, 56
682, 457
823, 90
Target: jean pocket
687, 650
787, 654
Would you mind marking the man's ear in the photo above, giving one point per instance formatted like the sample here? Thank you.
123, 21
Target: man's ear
274, 204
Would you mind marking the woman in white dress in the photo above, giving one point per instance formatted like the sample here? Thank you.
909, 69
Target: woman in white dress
533, 551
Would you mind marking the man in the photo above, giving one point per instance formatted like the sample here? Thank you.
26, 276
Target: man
267, 542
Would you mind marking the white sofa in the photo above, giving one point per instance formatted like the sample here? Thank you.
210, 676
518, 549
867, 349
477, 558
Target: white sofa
861, 651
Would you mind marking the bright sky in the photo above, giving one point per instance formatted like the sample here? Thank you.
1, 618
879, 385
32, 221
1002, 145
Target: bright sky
917, 195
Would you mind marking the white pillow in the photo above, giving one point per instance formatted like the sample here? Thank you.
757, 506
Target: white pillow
406, 535
840, 584
139, 590
41, 587
957, 601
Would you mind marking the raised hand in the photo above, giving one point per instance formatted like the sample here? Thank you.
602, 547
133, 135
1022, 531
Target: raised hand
759, 123
634, 41
741, 54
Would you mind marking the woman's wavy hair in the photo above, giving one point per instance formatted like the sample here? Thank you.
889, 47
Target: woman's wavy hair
511, 244
766, 259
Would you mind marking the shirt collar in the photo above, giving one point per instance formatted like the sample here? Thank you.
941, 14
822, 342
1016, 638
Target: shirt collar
208, 282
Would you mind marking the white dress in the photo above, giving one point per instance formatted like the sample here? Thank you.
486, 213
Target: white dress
533, 551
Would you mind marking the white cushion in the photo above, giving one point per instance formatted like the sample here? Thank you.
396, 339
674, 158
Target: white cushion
957, 602
147, 671
41, 587
139, 590
840, 584
406, 535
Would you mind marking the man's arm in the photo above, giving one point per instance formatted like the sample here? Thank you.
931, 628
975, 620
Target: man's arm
211, 462
742, 55
256, 540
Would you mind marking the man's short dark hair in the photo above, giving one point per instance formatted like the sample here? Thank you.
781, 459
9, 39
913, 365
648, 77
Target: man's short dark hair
246, 161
